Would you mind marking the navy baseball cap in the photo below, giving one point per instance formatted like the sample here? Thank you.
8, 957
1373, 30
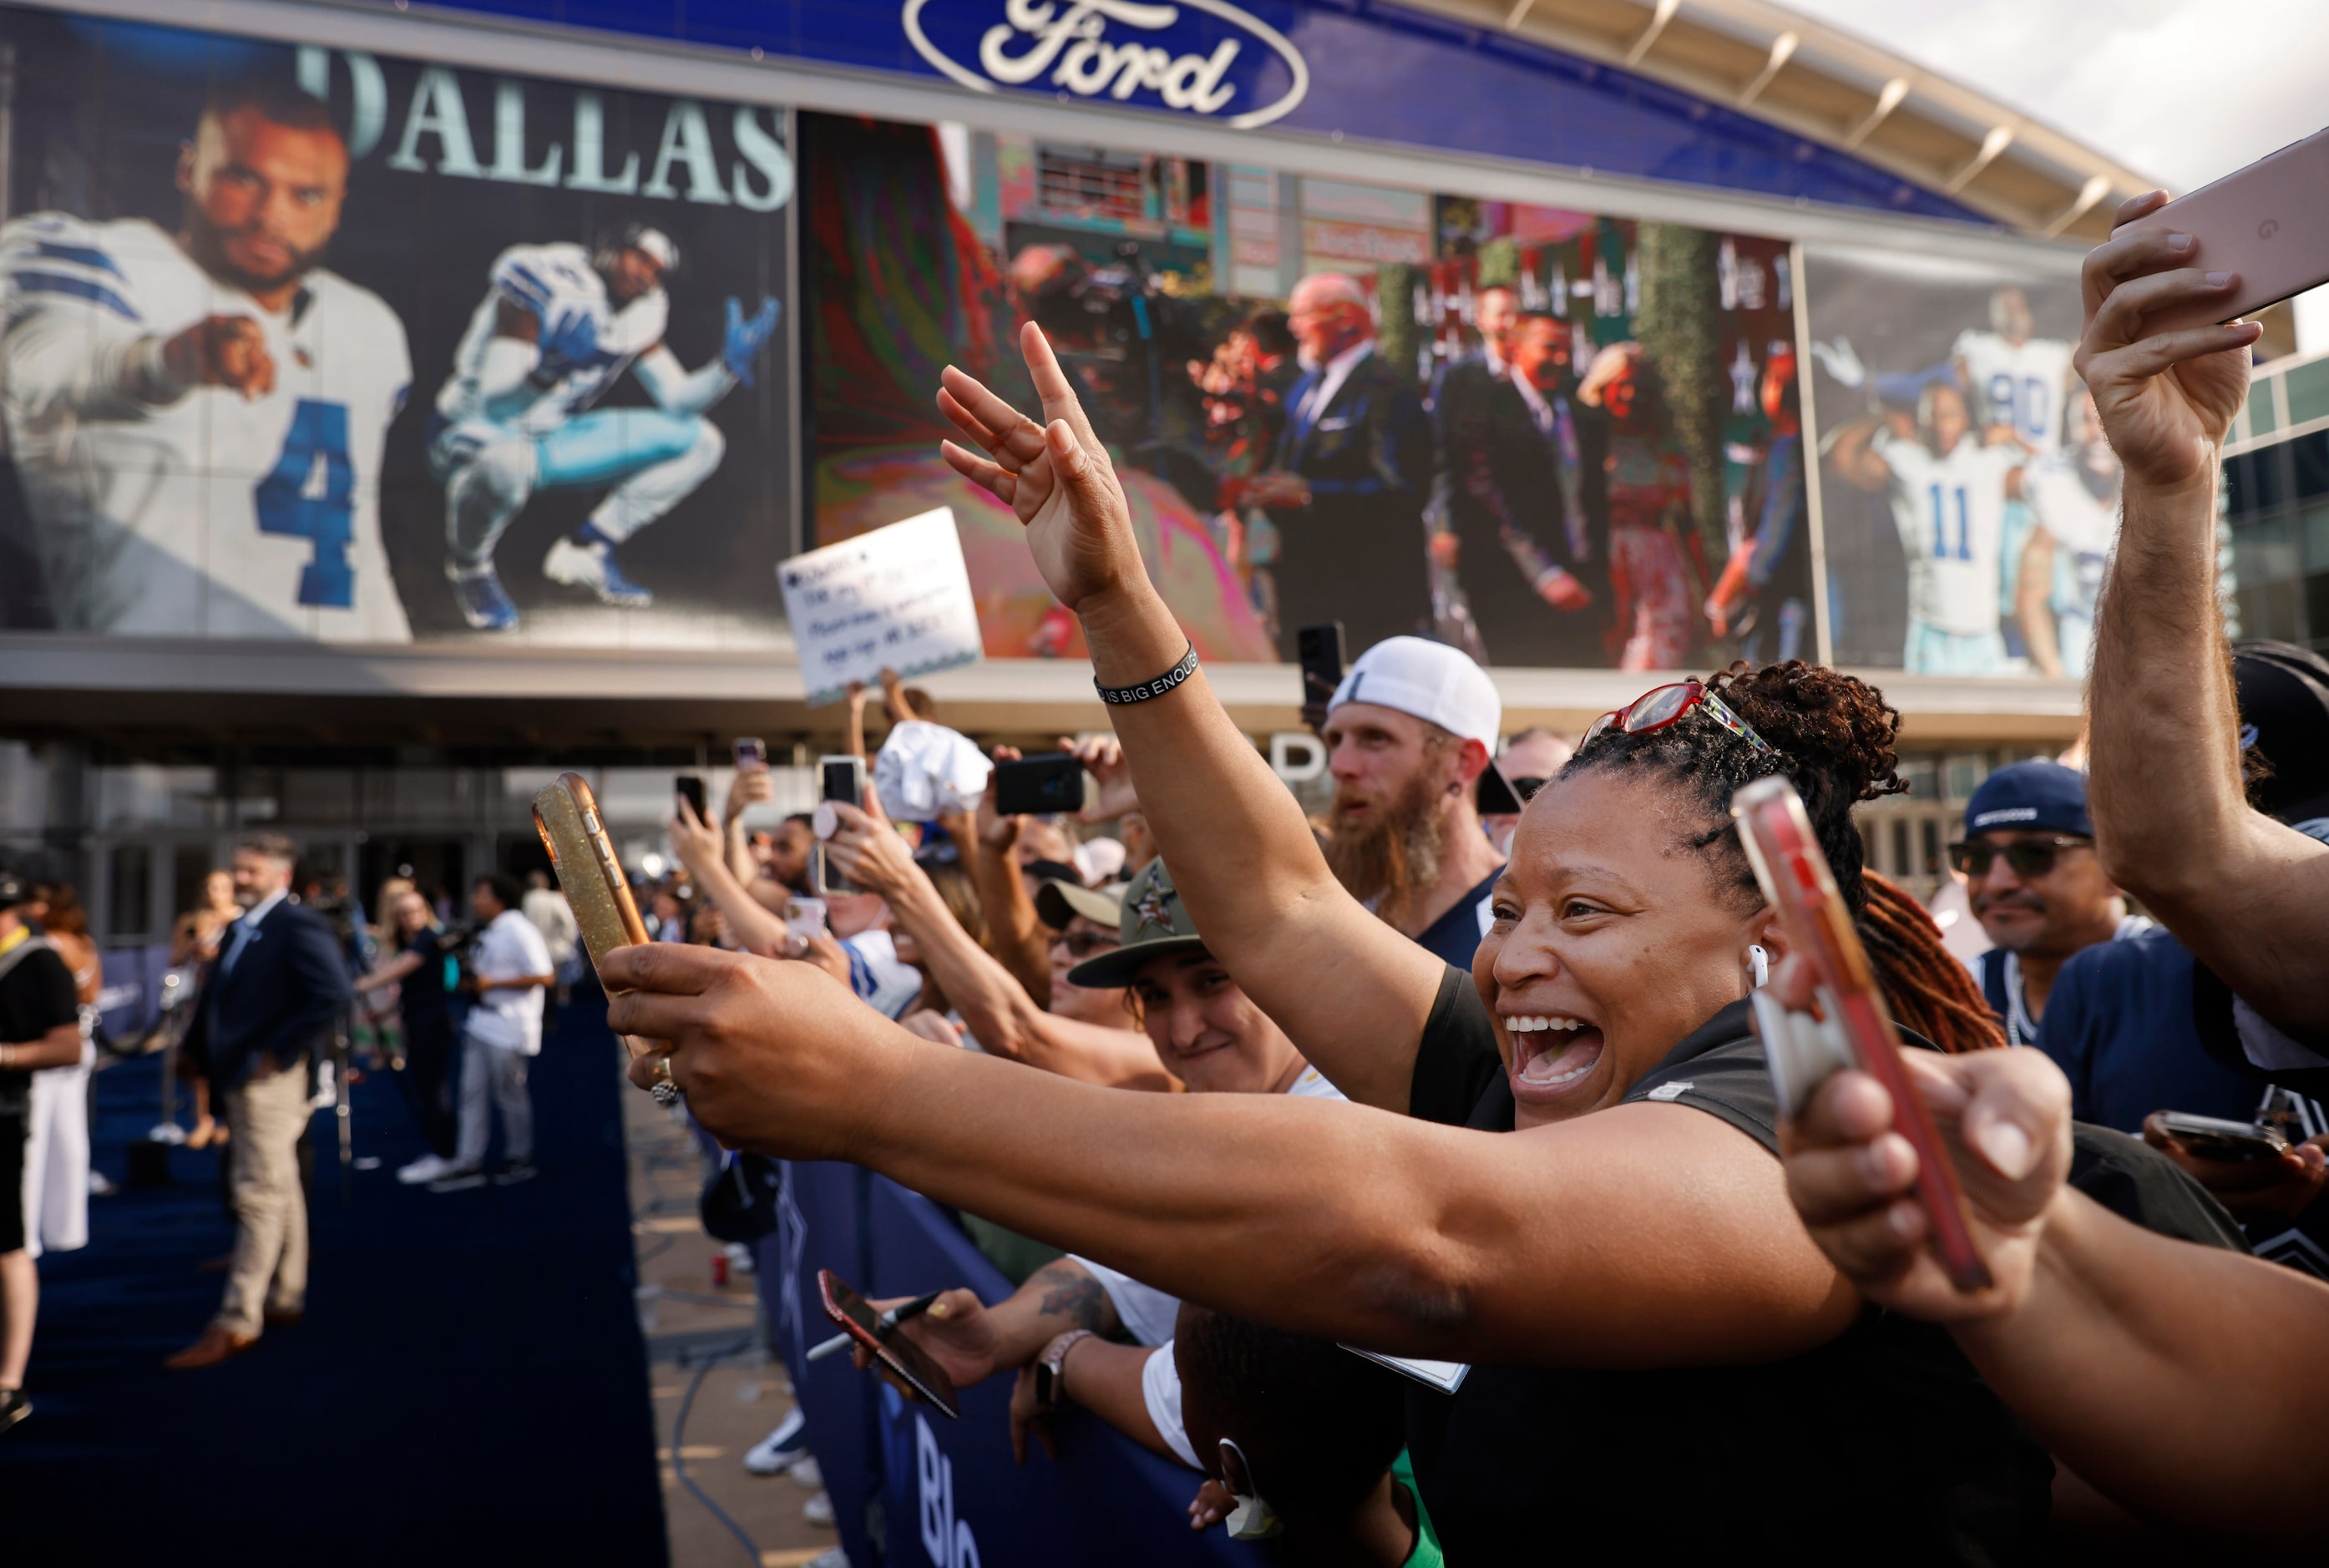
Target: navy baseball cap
2042, 796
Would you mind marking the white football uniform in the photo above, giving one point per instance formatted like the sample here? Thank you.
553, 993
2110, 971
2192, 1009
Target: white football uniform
2018, 384
555, 283
2086, 526
196, 513
1951, 514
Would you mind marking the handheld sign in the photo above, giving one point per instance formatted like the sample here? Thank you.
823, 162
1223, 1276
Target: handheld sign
1796, 878
896, 598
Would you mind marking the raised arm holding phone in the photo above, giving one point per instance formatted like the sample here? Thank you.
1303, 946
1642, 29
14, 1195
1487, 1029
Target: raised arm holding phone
2249, 896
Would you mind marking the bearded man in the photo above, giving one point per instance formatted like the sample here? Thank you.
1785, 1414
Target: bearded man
1409, 734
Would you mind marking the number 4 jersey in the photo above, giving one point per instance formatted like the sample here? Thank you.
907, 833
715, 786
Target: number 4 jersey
196, 512
1951, 513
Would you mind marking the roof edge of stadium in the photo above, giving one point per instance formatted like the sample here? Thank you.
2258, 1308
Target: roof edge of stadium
1835, 88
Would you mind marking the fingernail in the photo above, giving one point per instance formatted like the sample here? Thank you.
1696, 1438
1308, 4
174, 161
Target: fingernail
2217, 279
2007, 1148
2179, 242
1902, 1220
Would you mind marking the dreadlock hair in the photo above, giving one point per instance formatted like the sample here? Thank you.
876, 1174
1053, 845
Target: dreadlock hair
1833, 736
1927, 990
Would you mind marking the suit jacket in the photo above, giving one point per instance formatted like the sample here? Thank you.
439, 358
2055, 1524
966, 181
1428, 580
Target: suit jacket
1369, 450
1501, 485
279, 999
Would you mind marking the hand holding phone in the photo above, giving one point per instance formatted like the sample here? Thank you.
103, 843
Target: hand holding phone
2268, 222
690, 788
905, 1361
1856, 1029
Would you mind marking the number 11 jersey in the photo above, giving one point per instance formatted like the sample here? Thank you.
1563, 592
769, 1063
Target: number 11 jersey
209, 515
1950, 511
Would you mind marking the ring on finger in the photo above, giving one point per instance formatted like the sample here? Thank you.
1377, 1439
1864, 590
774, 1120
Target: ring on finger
665, 1088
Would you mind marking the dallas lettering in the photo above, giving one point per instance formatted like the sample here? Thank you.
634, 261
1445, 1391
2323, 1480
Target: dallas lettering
686, 165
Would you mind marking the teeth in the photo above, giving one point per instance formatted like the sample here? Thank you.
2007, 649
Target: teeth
1530, 1023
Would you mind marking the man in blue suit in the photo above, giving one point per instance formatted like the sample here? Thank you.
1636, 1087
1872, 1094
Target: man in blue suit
260, 1024
1350, 480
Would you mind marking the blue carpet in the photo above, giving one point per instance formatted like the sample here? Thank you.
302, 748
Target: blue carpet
469, 1385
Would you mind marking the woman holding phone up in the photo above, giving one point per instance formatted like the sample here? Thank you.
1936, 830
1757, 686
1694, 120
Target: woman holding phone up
1665, 1357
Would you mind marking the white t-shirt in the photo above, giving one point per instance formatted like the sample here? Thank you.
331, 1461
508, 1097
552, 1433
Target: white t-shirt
1148, 1315
509, 1017
1951, 513
2018, 384
554, 920
213, 514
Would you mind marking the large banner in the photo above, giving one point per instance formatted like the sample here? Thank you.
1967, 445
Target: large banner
1968, 499
313, 343
1552, 437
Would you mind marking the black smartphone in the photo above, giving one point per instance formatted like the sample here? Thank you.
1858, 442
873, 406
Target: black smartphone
840, 779
2213, 1138
1318, 650
691, 790
1042, 786
899, 1355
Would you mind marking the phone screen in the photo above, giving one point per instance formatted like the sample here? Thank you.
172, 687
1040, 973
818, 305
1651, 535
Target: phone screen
691, 790
896, 1353
1039, 786
843, 780
752, 752
1319, 651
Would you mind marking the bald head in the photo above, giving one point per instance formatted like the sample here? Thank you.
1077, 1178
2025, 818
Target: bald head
1328, 315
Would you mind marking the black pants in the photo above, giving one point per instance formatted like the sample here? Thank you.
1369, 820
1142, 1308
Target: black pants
14, 1130
431, 1055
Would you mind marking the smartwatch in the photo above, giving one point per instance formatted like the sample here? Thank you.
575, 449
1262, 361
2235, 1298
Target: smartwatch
1050, 1390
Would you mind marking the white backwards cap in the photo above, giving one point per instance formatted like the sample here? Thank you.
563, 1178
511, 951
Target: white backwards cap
1435, 682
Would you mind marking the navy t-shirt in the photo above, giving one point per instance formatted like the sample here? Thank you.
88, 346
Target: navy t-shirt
1455, 936
2124, 1024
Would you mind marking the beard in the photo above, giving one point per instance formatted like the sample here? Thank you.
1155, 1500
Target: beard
1387, 855
206, 242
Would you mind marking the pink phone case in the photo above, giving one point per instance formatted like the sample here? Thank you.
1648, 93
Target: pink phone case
2268, 223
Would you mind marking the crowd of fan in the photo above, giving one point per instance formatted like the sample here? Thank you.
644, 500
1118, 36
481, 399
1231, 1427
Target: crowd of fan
1688, 1321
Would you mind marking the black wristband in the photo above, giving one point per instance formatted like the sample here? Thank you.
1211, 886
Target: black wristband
1148, 688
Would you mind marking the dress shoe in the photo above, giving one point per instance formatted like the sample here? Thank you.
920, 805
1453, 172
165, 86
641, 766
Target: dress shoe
284, 1317
216, 1345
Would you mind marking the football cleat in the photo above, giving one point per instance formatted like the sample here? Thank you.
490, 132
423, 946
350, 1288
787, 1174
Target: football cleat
484, 602
593, 567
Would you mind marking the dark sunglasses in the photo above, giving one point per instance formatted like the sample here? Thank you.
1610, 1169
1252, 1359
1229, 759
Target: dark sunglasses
2027, 856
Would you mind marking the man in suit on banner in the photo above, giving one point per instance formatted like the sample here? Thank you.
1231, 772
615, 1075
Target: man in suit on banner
1532, 564
1353, 473
261, 1022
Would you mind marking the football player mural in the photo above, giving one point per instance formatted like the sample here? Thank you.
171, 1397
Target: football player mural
206, 360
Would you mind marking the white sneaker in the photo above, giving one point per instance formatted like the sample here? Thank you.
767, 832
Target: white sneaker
808, 1474
579, 567
819, 1510
428, 1167
785, 1448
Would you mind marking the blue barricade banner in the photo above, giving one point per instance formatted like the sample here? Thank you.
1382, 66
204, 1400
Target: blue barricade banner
913, 1490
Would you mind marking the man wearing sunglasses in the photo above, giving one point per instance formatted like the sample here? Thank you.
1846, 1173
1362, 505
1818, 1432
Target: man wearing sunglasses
2037, 887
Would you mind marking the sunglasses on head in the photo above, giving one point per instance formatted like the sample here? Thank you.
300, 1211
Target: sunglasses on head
1664, 705
2027, 856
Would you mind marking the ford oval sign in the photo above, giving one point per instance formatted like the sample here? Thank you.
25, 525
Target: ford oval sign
1202, 57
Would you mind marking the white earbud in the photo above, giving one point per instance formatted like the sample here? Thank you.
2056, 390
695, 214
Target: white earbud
1761, 960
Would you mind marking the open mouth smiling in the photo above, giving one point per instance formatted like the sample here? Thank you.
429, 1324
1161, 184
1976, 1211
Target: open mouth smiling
1552, 1054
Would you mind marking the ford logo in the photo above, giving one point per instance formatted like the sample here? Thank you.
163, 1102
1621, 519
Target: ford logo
1205, 57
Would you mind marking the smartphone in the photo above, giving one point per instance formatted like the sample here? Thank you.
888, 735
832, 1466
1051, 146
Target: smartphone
691, 790
2213, 1138
2268, 223
897, 1355
566, 815
839, 779
1858, 1030
804, 917
1318, 650
1043, 786
751, 751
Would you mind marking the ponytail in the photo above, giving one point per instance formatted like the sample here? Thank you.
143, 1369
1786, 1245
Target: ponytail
1926, 987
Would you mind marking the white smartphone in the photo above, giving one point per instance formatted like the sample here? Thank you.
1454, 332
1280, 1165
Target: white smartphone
2268, 223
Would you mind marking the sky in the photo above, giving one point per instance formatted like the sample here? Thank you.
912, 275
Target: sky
2182, 90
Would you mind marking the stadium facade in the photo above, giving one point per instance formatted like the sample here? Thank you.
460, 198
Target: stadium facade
229, 604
